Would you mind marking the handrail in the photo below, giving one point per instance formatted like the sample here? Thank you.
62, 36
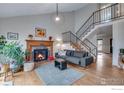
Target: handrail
84, 23
106, 7
76, 37
96, 18
90, 42
84, 28
82, 43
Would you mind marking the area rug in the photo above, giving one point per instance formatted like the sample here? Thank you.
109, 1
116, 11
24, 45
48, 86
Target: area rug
54, 76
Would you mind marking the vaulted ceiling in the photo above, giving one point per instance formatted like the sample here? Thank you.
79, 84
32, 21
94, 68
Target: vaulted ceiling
21, 9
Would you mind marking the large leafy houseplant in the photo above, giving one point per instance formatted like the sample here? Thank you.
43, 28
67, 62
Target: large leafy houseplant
14, 51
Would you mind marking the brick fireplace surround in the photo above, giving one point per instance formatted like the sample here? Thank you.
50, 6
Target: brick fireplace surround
37, 43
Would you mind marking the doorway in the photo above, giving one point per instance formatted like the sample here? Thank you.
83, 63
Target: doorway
99, 45
111, 48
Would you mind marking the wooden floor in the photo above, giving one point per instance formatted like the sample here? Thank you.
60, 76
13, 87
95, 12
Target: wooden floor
100, 73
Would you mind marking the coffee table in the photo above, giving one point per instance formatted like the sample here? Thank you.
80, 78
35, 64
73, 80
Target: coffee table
60, 63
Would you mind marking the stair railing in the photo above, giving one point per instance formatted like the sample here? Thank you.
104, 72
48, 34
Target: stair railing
107, 14
72, 38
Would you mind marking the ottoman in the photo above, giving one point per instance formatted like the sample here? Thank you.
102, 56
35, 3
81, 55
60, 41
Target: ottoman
60, 63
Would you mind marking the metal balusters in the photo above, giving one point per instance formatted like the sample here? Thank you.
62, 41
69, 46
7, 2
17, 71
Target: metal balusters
106, 14
86, 44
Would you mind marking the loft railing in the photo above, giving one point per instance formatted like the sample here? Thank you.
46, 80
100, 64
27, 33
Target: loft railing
72, 38
107, 14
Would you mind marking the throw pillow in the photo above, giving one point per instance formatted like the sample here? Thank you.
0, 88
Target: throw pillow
62, 53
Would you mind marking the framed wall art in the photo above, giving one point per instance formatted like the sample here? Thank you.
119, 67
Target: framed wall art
12, 36
40, 32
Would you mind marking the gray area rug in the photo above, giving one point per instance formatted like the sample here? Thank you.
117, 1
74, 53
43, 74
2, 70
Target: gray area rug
54, 76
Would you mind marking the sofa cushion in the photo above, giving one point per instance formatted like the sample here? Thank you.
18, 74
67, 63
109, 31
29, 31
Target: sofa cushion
69, 52
74, 60
62, 53
79, 54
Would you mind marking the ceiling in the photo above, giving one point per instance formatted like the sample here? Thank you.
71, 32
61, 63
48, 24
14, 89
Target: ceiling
21, 9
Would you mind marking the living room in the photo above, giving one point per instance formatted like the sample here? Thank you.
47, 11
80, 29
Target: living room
32, 35
28, 25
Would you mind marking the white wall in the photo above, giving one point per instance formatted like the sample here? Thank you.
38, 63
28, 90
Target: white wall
101, 34
93, 38
118, 40
83, 14
25, 25
106, 42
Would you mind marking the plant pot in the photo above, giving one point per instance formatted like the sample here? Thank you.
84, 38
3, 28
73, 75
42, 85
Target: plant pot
27, 58
28, 66
30, 37
4, 68
121, 62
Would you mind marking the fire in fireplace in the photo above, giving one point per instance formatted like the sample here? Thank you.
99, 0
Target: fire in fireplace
40, 57
40, 54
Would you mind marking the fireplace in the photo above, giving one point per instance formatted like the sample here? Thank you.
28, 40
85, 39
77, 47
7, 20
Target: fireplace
40, 55
36, 44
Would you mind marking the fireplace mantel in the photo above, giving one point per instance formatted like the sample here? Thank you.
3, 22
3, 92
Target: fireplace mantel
36, 43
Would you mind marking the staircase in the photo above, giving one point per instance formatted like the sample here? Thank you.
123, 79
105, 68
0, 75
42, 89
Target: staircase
69, 37
102, 16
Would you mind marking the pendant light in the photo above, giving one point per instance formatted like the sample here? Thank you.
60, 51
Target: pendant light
57, 18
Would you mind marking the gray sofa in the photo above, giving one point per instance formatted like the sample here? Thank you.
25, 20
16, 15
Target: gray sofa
81, 58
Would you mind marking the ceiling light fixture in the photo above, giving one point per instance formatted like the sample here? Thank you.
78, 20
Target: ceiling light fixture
57, 18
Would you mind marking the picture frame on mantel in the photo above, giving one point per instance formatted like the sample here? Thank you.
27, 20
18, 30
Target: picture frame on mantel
12, 36
40, 32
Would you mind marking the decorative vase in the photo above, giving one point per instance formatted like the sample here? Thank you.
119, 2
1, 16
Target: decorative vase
30, 37
50, 38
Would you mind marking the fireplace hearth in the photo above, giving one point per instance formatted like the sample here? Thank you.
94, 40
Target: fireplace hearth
40, 55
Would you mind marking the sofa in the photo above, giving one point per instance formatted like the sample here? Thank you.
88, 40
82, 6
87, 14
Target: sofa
81, 58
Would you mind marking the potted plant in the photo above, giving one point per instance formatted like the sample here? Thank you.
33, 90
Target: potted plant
3, 60
14, 51
50, 38
30, 36
27, 55
28, 65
